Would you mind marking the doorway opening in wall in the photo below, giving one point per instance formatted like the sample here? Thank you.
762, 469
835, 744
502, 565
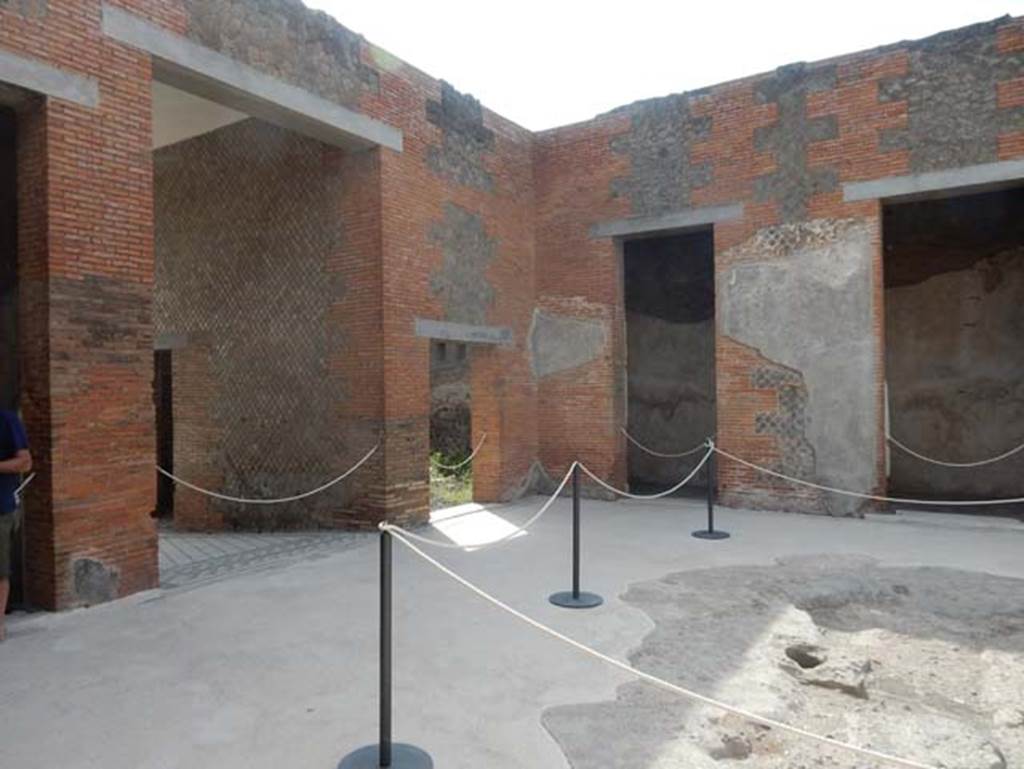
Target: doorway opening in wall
670, 356
451, 429
954, 315
163, 403
9, 375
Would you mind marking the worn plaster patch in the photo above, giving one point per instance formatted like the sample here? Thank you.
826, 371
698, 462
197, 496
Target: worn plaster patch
465, 140
461, 283
953, 116
561, 342
801, 294
660, 145
94, 582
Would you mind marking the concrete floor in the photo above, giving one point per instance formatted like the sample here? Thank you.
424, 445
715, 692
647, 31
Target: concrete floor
278, 667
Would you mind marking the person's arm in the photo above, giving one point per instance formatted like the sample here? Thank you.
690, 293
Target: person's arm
19, 463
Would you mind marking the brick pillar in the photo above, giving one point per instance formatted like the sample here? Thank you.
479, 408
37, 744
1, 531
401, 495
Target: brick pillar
86, 269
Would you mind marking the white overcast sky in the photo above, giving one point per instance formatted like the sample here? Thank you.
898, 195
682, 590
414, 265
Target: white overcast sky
544, 63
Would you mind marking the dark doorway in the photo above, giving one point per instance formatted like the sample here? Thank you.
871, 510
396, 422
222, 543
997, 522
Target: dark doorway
954, 293
670, 345
163, 400
9, 376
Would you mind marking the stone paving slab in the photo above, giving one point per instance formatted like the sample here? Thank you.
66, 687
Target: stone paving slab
188, 559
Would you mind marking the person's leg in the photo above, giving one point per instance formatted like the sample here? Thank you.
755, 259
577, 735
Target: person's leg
5, 588
6, 528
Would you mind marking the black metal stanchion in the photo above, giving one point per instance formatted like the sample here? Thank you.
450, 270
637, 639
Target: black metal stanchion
710, 532
385, 753
574, 599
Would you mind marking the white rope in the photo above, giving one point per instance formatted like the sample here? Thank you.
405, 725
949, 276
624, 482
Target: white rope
654, 453
277, 501
521, 530
875, 497
667, 685
659, 495
26, 482
465, 461
941, 463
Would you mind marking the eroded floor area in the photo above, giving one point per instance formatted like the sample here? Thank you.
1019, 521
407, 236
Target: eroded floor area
924, 663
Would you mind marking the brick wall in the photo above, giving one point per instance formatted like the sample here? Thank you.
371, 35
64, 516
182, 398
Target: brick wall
249, 235
480, 221
85, 272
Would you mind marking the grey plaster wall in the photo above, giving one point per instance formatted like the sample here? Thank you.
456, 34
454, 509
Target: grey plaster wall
670, 352
953, 118
461, 282
560, 342
465, 141
33, 9
801, 294
246, 222
954, 359
287, 40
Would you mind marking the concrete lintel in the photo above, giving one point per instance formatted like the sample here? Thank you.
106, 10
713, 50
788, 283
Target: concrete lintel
934, 183
191, 67
677, 220
170, 341
48, 80
463, 332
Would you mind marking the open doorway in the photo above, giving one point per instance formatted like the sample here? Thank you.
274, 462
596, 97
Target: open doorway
451, 427
670, 344
163, 405
9, 375
954, 313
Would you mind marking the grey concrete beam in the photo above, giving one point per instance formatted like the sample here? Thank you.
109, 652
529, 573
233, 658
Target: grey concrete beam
936, 183
463, 332
677, 220
191, 67
43, 78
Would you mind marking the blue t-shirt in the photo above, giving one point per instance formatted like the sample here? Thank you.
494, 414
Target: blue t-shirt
12, 440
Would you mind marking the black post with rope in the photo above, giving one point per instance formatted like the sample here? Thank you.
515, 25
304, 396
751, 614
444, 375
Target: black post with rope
386, 753
711, 532
575, 599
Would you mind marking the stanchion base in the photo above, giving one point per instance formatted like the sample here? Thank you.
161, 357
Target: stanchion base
716, 534
582, 601
402, 757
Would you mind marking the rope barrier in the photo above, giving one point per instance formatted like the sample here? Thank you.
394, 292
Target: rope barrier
277, 501
941, 463
711, 449
647, 677
654, 453
26, 482
875, 497
465, 461
521, 530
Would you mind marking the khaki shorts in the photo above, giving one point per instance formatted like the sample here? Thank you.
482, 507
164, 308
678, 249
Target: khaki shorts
8, 523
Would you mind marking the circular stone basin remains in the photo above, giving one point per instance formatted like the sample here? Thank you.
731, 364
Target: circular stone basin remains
923, 663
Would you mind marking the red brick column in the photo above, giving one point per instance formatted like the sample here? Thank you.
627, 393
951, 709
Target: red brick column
86, 260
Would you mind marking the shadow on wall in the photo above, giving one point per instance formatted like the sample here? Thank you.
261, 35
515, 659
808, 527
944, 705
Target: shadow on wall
670, 348
954, 292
